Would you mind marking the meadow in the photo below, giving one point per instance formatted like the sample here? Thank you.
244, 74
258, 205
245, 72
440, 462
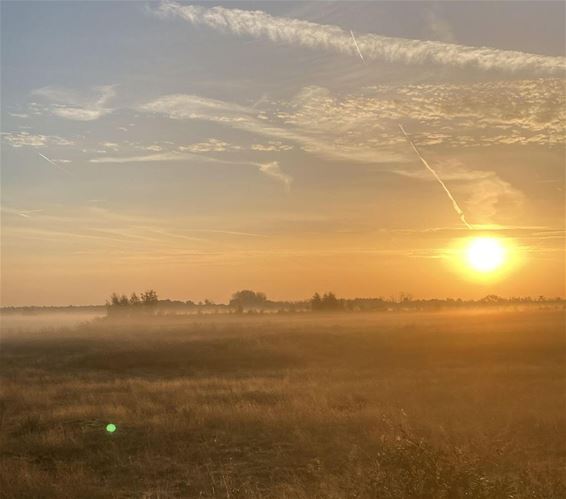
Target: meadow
467, 404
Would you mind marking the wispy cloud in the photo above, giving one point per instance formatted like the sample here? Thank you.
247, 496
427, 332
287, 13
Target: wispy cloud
113, 146
211, 145
362, 128
121, 231
145, 158
26, 139
76, 106
484, 191
186, 106
271, 146
273, 170
290, 31
314, 139
452, 115
19, 212
437, 24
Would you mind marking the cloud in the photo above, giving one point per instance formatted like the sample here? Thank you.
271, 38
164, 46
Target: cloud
485, 192
164, 156
78, 114
107, 232
111, 145
271, 146
186, 106
452, 115
437, 24
71, 105
362, 127
488, 197
273, 170
211, 145
167, 156
258, 24
20, 139
26, 139
314, 139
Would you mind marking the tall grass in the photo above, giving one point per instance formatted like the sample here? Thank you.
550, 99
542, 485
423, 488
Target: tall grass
441, 405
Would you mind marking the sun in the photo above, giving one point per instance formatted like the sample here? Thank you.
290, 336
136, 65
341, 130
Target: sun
485, 257
485, 254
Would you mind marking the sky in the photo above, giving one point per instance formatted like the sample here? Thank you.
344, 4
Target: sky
202, 148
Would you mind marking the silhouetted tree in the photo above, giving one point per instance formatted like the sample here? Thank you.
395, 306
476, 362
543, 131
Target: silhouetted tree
330, 302
117, 304
405, 297
327, 302
248, 298
491, 300
316, 302
149, 300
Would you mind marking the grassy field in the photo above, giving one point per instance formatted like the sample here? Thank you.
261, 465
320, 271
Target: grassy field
439, 405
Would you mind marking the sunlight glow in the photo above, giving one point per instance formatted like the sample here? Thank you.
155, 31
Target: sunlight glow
485, 254
486, 257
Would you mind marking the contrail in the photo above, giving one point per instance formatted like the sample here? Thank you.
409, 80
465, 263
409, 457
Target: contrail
48, 160
53, 163
431, 170
357, 47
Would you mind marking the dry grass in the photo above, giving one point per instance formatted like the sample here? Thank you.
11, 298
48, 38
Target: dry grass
438, 405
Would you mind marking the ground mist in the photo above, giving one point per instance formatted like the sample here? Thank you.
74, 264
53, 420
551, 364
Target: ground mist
388, 405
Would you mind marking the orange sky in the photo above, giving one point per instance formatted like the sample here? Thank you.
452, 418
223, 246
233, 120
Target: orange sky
202, 159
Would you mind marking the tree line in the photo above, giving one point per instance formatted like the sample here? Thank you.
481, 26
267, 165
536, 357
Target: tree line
146, 302
249, 301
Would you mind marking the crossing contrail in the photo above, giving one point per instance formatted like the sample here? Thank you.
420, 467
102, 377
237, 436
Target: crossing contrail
357, 47
457, 208
48, 160
51, 162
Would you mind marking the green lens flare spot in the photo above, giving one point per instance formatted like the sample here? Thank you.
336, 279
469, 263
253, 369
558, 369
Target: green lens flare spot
111, 428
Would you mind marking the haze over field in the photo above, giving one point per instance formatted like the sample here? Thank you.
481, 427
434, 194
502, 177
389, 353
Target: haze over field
454, 404
282, 250
204, 148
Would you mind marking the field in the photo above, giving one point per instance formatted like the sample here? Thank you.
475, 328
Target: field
386, 405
